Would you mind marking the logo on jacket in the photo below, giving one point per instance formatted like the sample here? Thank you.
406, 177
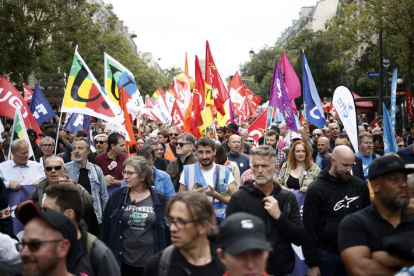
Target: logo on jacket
344, 202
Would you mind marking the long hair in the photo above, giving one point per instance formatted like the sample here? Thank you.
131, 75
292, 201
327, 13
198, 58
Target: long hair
308, 159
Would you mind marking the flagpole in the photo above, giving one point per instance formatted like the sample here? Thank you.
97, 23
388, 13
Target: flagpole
12, 135
58, 130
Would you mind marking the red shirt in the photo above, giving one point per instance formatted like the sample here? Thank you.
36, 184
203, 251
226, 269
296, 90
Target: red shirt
110, 166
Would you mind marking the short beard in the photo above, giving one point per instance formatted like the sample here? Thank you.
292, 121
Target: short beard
79, 160
394, 202
208, 164
264, 181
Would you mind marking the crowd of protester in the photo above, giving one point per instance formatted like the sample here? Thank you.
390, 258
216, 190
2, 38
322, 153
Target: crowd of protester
223, 204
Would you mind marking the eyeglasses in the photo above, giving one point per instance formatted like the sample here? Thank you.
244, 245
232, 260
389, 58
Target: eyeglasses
124, 173
179, 223
250, 141
317, 134
47, 146
182, 144
174, 134
401, 146
33, 245
100, 142
57, 168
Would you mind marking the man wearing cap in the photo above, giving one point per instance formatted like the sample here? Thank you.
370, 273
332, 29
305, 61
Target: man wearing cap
221, 134
36, 149
243, 247
361, 234
235, 143
278, 208
49, 243
20, 170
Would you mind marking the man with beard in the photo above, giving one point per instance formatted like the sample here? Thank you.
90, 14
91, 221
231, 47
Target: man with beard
362, 235
323, 150
333, 195
278, 208
221, 134
171, 148
272, 139
214, 180
366, 151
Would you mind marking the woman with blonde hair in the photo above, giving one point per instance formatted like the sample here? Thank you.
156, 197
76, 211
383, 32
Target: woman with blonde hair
299, 170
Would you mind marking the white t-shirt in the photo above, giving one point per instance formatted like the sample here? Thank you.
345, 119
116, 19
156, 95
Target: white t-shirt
208, 177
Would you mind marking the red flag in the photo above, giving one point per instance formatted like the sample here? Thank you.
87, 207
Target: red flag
28, 93
177, 116
127, 123
410, 104
257, 128
213, 78
199, 101
10, 99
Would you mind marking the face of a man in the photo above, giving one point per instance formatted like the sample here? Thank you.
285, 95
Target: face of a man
271, 141
323, 146
234, 144
173, 136
221, 134
163, 139
47, 147
80, 151
44, 260
366, 147
393, 189
101, 144
283, 130
250, 262
341, 142
182, 236
205, 155
263, 169
401, 145
120, 148
184, 148
21, 156
316, 134
342, 166
140, 143
378, 147
334, 129
57, 170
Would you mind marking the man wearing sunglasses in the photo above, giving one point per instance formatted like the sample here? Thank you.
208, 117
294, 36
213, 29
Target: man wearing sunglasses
48, 240
171, 148
101, 144
316, 134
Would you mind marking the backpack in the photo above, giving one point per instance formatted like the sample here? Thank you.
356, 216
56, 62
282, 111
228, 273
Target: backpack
90, 239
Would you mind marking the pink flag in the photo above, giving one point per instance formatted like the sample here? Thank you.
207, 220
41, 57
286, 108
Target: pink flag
291, 79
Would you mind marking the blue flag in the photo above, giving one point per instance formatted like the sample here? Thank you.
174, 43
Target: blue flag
279, 98
312, 103
79, 122
393, 96
390, 145
40, 107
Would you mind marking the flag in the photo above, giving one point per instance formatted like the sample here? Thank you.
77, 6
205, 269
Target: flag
291, 80
27, 93
161, 111
177, 116
1, 130
188, 98
84, 95
410, 104
159, 93
10, 100
257, 128
77, 122
213, 78
393, 96
312, 103
390, 145
40, 107
278, 98
130, 138
19, 129
117, 75
198, 103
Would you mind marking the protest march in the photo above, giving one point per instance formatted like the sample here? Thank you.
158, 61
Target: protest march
205, 178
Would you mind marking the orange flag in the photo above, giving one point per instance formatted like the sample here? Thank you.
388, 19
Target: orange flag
127, 123
199, 101
188, 103
213, 78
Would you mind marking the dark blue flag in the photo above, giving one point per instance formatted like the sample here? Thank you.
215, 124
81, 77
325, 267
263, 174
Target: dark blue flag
40, 107
79, 122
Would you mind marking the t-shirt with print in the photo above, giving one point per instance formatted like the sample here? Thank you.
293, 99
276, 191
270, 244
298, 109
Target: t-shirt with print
366, 162
138, 235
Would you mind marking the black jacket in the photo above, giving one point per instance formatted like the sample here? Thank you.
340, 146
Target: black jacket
357, 169
281, 233
328, 200
6, 222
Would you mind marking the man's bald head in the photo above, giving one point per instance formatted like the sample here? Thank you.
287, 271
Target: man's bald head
342, 151
342, 159
235, 143
323, 145
334, 128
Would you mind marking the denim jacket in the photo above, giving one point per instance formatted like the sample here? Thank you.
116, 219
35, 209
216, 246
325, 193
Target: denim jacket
98, 186
112, 227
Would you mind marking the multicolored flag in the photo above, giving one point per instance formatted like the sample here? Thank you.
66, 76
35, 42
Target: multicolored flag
19, 131
84, 95
27, 93
279, 98
390, 144
40, 107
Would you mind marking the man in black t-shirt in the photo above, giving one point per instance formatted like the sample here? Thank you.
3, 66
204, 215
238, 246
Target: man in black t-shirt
189, 215
361, 234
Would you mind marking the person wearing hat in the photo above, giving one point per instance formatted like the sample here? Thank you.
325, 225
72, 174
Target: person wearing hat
48, 244
362, 234
243, 247
36, 149
221, 134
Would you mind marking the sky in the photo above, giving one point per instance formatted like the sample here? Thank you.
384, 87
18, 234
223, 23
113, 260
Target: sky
168, 28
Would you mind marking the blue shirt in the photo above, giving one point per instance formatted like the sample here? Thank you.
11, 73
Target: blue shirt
366, 162
407, 155
241, 161
25, 175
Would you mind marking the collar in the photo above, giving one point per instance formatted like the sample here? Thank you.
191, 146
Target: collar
109, 158
14, 165
405, 216
233, 155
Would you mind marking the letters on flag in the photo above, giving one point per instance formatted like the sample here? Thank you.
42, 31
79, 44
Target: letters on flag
40, 107
390, 144
27, 93
279, 98
84, 95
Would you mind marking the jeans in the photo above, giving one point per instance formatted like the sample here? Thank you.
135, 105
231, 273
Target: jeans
331, 264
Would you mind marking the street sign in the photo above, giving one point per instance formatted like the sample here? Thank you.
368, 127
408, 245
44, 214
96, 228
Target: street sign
375, 74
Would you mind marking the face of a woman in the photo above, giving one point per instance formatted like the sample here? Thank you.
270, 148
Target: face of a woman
300, 153
131, 177
160, 151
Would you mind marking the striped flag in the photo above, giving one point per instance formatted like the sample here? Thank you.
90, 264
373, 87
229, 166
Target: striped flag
19, 132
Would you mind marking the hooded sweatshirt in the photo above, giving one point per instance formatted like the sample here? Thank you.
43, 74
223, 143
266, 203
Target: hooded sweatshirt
328, 200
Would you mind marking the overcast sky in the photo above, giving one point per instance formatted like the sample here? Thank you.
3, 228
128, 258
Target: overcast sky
168, 28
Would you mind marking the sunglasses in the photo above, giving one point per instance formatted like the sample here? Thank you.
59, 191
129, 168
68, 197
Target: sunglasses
174, 134
33, 245
250, 141
317, 134
182, 144
57, 168
100, 142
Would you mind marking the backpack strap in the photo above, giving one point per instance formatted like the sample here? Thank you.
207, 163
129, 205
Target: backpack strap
89, 243
165, 261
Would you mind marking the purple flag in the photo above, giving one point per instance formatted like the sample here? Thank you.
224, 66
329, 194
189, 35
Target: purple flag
279, 98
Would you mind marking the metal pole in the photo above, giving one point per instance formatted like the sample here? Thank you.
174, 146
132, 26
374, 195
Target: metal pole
381, 77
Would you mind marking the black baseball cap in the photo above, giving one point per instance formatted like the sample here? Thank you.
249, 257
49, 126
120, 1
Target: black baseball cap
386, 164
50, 133
32, 133
241, 232
28, 210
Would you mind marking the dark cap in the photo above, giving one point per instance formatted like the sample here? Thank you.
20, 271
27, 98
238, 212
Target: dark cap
28, 210
32, 133
50, 133
221, 128
51, 125
386, 164
241, 232
232, 127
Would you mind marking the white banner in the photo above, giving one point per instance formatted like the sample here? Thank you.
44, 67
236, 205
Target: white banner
344, 103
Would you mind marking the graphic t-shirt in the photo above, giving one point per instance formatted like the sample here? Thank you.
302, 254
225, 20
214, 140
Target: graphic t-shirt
139, 226
366, 161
